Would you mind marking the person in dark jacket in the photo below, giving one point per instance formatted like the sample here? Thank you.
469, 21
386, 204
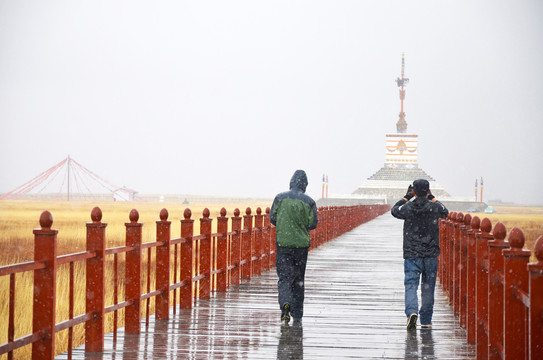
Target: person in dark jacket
294, 214
420, 249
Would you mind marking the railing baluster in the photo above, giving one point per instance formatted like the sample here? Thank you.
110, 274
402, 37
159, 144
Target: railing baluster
266, 264
185, 274
11, 320
515, 272
162, 267
96, 282
247, 245
205, 255
483, 237
71, 310
472, 273
536, 302
133, 260
222, 253
464, 228
457, 262
148, 301
257, 248
175, 271
236, 249
495, 291
45, 288
115, 295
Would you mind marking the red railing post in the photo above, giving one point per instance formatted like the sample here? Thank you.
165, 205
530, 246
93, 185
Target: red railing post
236, 249
133, 274
457, 262
320, 225
481, 296
246, 245
450, 257
45, 288
205, 255
495, 291
273, 245
515, 272
471, 321
257, 249
163, 258
335, 222
440, 266
266, 241
330, 225
448, 245
96, 283
536, 302
185, 271
464, 228
222, 255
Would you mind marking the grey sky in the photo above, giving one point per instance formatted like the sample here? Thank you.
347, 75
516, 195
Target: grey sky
230, 97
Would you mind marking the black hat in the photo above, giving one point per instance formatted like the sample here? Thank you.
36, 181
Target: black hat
421, 187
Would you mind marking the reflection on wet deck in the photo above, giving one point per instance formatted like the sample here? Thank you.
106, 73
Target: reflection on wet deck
353, 309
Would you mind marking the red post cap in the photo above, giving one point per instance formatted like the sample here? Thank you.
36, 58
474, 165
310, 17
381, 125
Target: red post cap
46, 220
516, 238
486, 225
499, 231
134, 215
163, 214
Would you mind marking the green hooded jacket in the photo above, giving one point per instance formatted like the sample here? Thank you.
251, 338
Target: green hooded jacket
294, 214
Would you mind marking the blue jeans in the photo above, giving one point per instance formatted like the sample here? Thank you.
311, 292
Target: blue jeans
413, 269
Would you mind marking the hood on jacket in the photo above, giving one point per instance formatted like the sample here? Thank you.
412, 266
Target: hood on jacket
299, 181
421, 204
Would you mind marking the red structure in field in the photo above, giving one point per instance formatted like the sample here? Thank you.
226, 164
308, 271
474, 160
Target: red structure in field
69, 180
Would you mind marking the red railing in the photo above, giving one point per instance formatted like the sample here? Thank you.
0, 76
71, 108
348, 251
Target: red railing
211, 262
496, 294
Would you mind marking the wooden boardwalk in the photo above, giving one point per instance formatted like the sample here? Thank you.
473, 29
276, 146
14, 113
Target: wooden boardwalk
353, 309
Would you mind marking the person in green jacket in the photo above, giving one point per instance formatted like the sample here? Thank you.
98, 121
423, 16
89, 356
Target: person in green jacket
294, 214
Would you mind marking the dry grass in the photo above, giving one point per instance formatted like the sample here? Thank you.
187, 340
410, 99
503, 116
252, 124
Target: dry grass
529, 219
19, 218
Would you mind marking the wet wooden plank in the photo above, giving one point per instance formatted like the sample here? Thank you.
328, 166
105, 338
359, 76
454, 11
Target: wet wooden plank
353, 309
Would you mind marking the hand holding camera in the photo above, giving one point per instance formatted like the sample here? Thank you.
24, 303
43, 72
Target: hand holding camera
409, 193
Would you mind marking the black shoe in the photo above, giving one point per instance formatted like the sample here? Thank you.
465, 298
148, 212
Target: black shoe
412, 321
285, 313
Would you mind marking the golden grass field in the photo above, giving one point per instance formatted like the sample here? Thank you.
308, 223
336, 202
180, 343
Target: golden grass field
19, 218
529, 219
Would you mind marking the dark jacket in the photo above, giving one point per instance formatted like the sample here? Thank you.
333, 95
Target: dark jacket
294, 214
421, 226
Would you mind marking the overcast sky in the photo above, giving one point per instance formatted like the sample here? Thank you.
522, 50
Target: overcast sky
230, 97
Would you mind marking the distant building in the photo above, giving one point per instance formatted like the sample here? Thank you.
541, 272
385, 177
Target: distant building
124, 194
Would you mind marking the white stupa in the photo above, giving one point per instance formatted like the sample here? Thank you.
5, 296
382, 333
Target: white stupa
401, 166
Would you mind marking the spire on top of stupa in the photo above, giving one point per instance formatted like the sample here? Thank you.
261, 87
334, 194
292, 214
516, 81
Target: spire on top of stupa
401, 125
